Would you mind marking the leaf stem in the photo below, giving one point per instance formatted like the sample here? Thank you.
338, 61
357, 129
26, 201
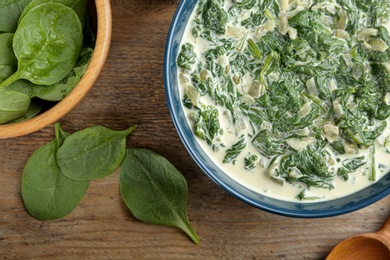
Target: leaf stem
271, 16
8, 81
373, 168
191, 233
130, 129
254, 49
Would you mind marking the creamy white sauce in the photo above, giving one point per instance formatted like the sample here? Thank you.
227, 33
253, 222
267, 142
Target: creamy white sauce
258, 180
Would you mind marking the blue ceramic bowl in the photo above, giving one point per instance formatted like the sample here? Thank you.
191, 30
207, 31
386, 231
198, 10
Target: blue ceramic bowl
335, 207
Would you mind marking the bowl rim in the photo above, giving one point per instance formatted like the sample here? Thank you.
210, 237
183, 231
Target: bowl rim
63, 107
319, 209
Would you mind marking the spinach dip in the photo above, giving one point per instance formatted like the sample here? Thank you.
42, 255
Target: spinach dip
290, 98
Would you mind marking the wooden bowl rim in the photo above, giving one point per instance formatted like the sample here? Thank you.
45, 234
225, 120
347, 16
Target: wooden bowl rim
63, 107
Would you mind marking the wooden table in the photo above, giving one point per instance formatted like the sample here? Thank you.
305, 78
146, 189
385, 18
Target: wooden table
130, 90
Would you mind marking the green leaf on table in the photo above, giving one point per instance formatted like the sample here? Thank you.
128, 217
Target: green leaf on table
92, 153
61, 135
47, 193
154, 190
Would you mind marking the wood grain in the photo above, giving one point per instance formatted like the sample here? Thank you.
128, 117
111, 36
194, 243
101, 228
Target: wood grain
130, 90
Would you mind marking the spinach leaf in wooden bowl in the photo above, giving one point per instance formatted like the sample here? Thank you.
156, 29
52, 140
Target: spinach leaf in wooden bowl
53, 48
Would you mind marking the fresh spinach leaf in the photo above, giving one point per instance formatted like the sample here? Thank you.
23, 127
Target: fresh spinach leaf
154, 190
62, 88
12, 105
34, 109
92, 153
10, 11
23, 86
48, 58
60, 133
79, 6
59, 90
8, 61
47, 193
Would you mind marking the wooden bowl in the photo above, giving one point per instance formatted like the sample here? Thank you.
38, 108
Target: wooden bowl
103, 17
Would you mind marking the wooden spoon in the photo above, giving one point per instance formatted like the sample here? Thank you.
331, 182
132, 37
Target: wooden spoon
365, 246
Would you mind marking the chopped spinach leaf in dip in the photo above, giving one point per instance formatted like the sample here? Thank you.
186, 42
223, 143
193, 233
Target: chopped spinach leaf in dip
291, 98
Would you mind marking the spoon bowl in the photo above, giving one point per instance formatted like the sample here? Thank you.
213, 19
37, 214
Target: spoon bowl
364, 246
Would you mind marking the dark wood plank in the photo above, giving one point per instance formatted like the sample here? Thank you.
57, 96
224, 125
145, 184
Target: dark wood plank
130, 90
